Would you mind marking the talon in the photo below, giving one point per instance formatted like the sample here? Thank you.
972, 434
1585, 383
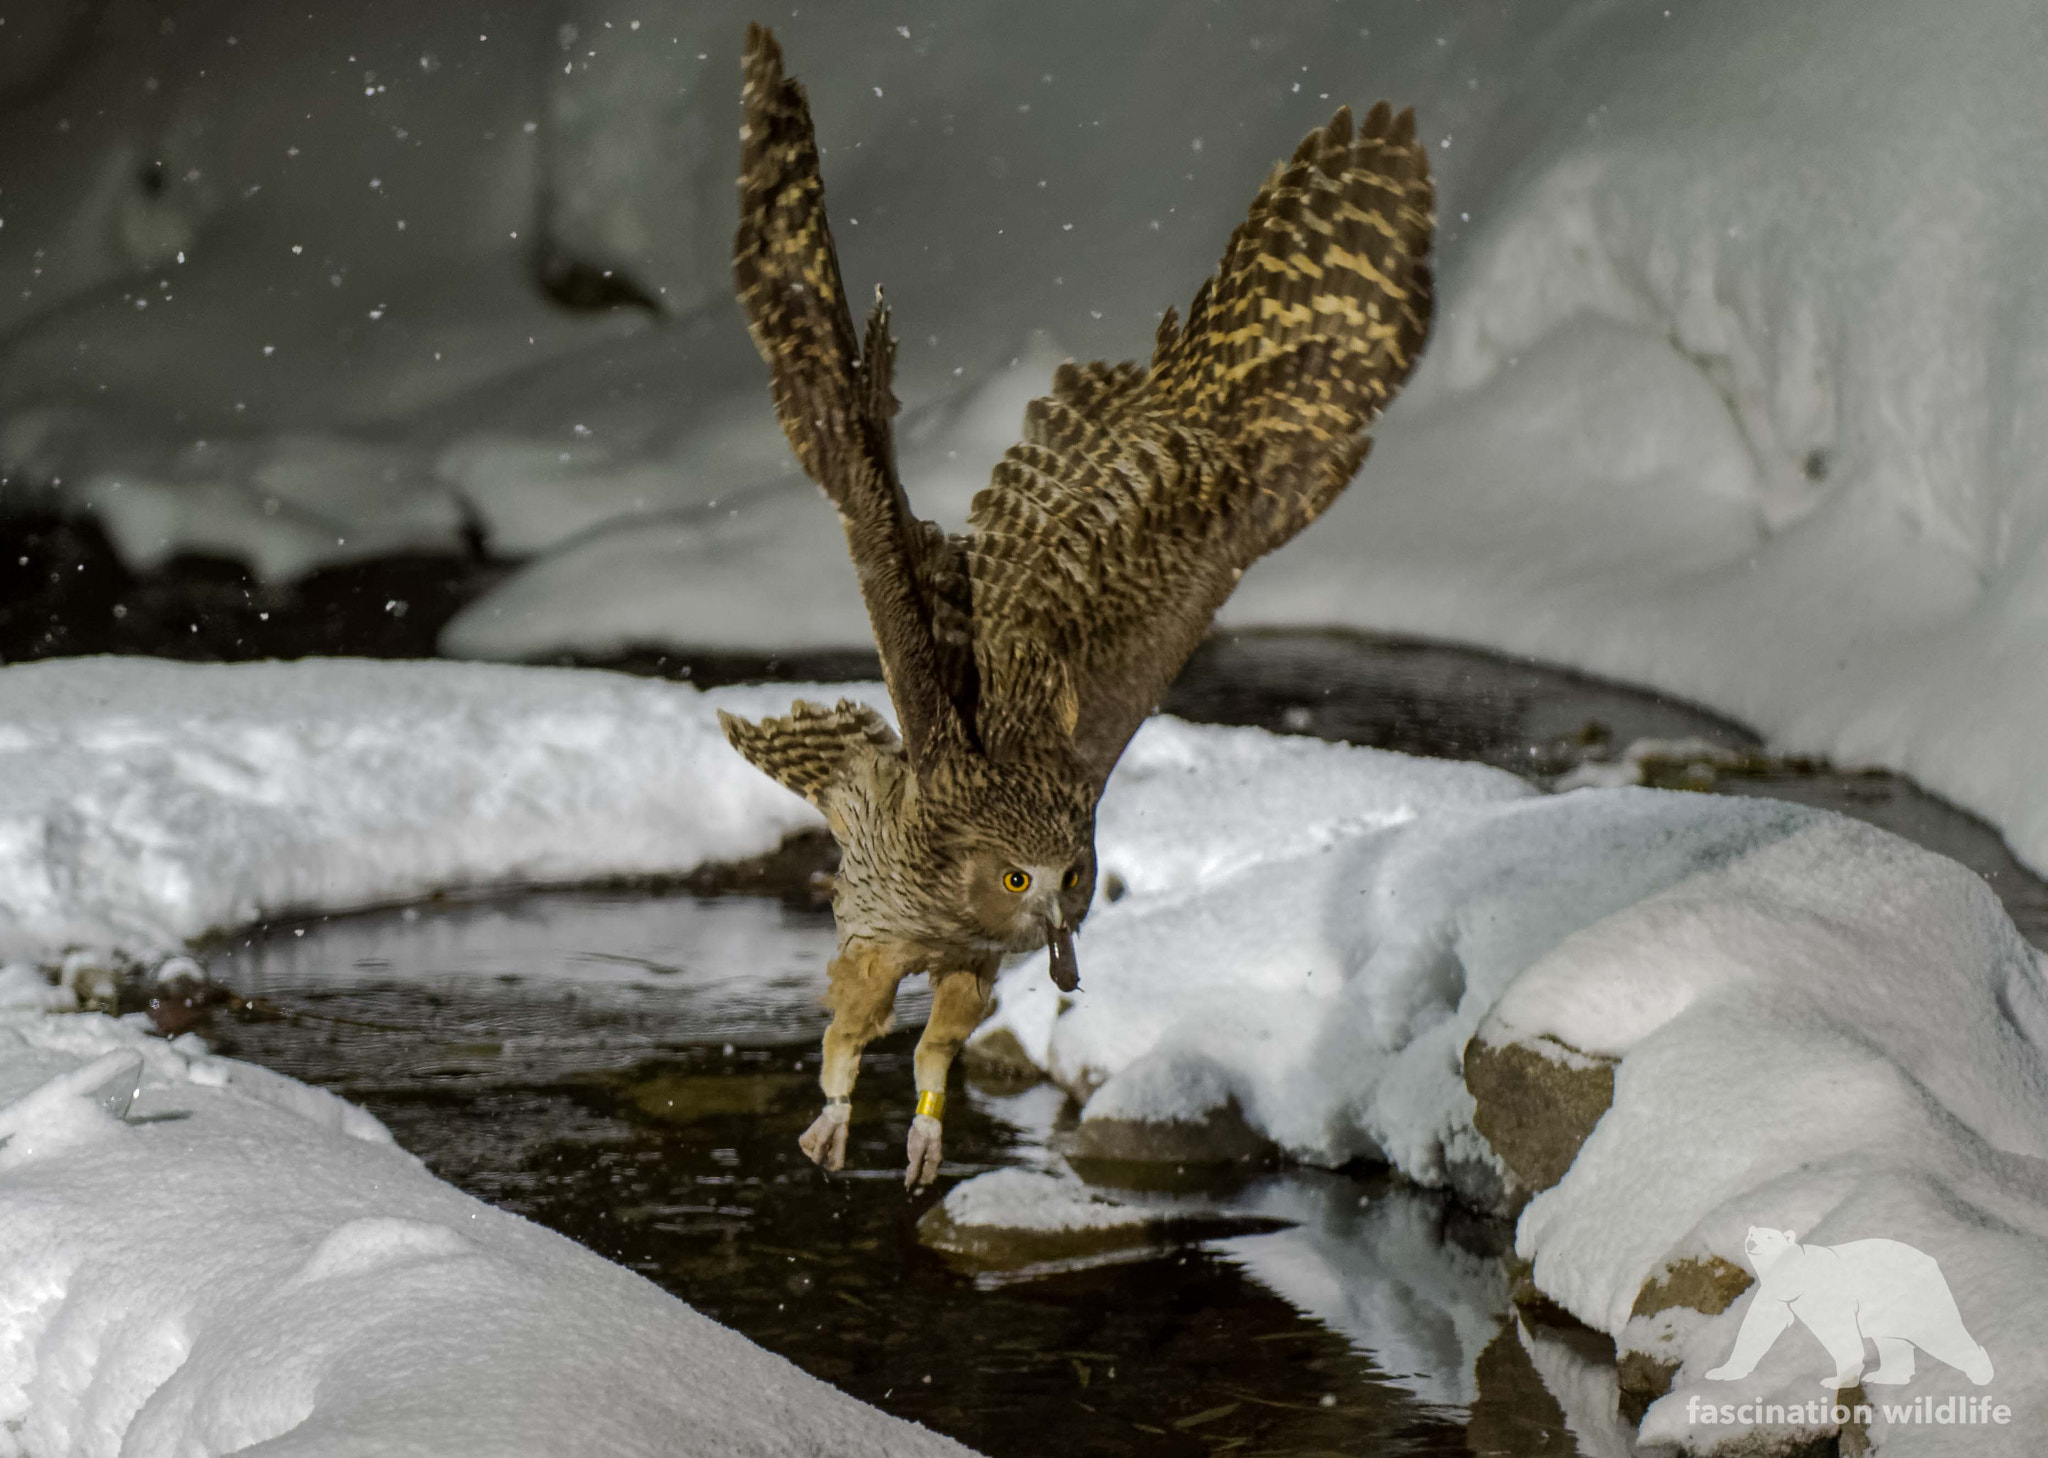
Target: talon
824, 1143
925, 1134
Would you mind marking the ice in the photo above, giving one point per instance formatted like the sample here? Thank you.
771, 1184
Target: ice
217, 1271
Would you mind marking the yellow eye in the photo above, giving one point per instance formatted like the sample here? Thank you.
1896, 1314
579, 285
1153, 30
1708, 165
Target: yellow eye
1017, 881
1072, 879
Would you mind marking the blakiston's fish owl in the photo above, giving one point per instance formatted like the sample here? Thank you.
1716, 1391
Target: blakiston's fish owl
1023, 655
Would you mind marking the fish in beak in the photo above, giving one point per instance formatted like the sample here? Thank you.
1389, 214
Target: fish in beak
1066, 971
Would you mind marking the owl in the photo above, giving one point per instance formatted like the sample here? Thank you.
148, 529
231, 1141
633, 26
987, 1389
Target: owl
1022, 655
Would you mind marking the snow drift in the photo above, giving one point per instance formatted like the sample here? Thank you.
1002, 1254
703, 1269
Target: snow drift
143, 803
236, 1261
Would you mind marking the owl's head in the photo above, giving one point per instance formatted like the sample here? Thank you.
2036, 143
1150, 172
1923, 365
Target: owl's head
1026, 875
1024, 899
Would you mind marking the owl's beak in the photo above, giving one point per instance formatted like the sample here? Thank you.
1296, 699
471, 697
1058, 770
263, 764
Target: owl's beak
1066, 971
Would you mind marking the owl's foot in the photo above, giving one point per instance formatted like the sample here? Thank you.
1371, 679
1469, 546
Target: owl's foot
825, 1141
925, 1133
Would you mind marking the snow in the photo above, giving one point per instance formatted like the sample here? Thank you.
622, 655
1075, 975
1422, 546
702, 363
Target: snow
1739, 334
1817, 1026
1730, 399
144, 803
1022, 1199
1328, 980
241, 1261
1732, 391
1847, 1034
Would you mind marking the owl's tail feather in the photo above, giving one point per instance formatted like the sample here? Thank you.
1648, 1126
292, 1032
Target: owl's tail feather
1318, 311
808, 750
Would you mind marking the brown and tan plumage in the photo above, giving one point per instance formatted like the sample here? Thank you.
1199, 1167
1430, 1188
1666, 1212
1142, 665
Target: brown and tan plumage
1022, 656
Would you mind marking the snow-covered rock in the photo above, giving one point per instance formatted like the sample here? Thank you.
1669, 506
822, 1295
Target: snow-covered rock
1805, 1023
1023, 1222
236, 1261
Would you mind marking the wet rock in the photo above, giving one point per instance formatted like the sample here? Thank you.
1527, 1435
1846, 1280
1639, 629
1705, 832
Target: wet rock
1020, 1221
1000, 1059
1668, 1308
182, 997
686, 1098
1016, 1224
1222, 1136
1535, 1103
93, 979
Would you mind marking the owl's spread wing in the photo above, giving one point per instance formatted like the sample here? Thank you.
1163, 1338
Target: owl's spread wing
1110, 535
814, 746
832, 394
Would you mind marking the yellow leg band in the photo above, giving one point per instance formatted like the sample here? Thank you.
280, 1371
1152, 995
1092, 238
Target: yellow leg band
932, 1103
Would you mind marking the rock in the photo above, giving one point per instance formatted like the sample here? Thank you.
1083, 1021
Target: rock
1669, 1306
1001, 1059
1535, 1103
1221, 1137
1017, 1221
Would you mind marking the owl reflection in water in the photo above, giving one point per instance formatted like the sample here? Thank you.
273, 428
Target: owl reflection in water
1022, 655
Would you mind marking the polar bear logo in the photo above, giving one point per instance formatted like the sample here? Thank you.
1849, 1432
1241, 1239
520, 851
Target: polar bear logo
1884, 1291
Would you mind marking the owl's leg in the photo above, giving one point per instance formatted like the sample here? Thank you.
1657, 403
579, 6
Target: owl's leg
863, 999
958, 999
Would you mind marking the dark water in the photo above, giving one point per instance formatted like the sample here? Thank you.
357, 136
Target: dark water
634, 1070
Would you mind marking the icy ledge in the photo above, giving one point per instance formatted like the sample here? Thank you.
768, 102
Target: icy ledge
1765, 1015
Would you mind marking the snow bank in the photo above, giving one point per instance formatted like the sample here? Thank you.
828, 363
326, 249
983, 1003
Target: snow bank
1835, 1033
241, 1261
1739, 335
1735, 396
143, 803
1325, 976
1740, 326
1817, 1026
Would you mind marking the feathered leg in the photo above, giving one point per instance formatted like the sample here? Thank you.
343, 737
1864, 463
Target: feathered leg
958, 999
863, 999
